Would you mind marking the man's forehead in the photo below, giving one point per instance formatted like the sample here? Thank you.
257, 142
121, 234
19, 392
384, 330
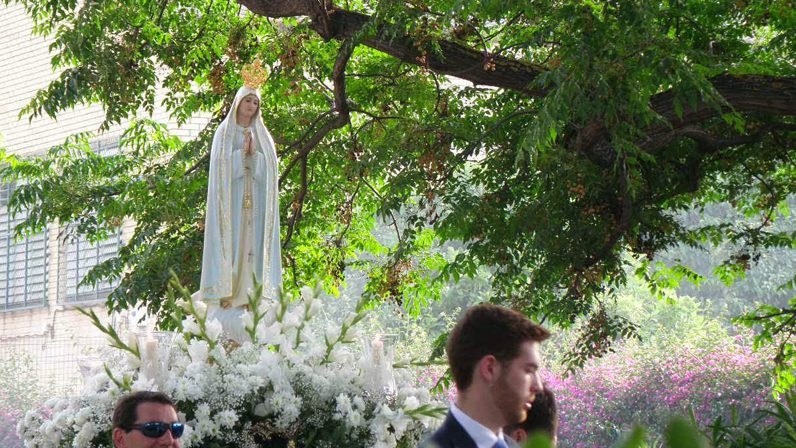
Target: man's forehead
530, 352
151, 407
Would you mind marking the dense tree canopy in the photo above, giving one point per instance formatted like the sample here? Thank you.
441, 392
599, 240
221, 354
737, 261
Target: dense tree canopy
551, 138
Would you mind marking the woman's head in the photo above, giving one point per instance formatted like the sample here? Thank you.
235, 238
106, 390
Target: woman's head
247, 108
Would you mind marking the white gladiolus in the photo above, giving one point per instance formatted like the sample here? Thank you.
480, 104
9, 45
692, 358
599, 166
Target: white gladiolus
340, 355
213, 328
261, 333
198, 351
411, 403
351, 336
144, 383
315, 307
332, 333
349, 320
190, 326
201, 308
264, 306
184, 304
291, 320
132, 341
271, 334
133, 362
247, 319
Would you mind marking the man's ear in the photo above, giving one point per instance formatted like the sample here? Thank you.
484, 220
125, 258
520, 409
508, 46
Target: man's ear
519, 435
489, 368
118, 438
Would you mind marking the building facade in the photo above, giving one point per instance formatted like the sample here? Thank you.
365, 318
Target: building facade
40, 274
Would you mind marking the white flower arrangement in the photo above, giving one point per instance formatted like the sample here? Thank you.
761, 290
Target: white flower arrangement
299, 381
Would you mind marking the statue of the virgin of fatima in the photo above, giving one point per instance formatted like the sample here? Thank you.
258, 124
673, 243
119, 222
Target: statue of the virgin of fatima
241, 241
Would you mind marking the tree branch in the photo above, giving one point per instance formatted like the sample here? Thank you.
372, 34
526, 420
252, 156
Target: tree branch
340, 108
298, 204
479, 67
394, 222
709, 143
349, 203
742, 93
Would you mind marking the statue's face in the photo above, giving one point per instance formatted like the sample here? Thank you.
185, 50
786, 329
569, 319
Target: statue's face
248, 106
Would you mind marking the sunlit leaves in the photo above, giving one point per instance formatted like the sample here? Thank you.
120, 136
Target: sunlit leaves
777, 326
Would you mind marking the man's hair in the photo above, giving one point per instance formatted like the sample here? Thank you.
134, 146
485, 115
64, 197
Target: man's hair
542, 417
487, 329
125, 414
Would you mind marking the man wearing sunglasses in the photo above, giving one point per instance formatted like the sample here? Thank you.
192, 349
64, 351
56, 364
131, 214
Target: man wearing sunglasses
146, 419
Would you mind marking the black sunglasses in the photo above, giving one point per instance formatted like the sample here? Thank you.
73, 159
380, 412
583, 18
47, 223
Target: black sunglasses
157, 429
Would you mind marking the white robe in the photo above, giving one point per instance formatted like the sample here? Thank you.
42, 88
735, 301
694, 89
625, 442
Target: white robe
241, 241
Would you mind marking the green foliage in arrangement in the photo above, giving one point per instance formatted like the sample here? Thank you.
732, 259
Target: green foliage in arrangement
581, 131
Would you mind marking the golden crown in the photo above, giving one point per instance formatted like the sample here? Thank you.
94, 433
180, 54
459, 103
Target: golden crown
254, 74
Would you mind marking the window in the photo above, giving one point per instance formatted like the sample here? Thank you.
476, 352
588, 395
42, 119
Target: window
23, 262
81, 256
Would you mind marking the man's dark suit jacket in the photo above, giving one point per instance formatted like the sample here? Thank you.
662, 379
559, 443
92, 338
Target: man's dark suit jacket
450, 435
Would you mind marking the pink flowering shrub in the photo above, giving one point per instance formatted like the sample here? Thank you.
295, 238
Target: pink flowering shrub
648, 387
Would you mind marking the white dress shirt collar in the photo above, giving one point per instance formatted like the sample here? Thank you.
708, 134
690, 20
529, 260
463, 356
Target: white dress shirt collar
483, 436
